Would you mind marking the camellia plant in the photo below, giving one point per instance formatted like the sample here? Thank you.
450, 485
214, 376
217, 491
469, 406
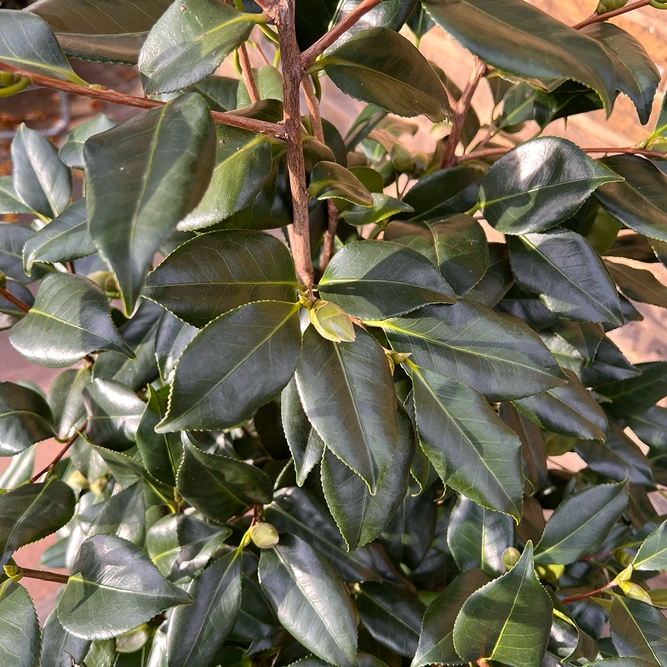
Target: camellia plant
308, 408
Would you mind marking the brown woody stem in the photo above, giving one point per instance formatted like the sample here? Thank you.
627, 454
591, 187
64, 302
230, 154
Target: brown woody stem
45, 575
114, 97
59, 455
597, 18
15, 301
460, 111
247, 74
588, 594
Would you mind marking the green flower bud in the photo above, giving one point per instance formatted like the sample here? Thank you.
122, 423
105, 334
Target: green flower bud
265, 536
3, 280
511, 557
14, 572
605, 6
658, 4
77, 481
332, 322
401, 159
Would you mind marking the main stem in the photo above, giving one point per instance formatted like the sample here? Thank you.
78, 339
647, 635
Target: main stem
15, 301
45, 575
597, 18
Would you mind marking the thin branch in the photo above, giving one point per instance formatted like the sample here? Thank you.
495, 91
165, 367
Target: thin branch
114, 97
59, 455
45, 575
460, 111
15, 301
247, 74
324, 42
588, 594
597, 18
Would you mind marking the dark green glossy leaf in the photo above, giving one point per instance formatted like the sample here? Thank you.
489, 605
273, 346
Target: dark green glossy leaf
63, 239
636, 74
13, 237
19, 470
10, 314
9, 200
214, 273
397, 77
236, 364
392, 614
189, 41
26, 42
330, 180
19, 627
106, 30
59, 647
652, 554
348, 395
242, 169
220, 486
471, 449
569, 410
497, 280
651, 427
639, 631
383, 207
455, 244
70, 319
518, 630
300, 513
304, 443
124, 515
640, 201
478, 537
632, 246
361, 517
113, 588
503, 359
181, 545
25, 418
522, 40
436, 645
581, 523
71, 152
171, 339
638, 284
568, 274
197, 631
41, 180
376, 279
539, 184
31, 512
165, 157
310, 600
636, 394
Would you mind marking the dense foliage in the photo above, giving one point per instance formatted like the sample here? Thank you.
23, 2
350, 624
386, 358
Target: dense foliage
328, 443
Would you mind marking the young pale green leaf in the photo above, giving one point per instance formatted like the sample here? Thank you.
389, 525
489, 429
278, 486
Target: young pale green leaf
31, 512
63, 239
181, 545
242, 170
392, 614
331, 322
330, 180
113, 588
310, 600
397, 77
636, 74
455, 244
59, 647
436, 644
581, 523
507, 620
71, 152
304, 443
373, 280
106, 30
638, 630
347, 393
220, 486
568, 274
503, 360
639, 201
301, 513
234, 365
142, 177
636, 394
383, 207
19, 627
217, 272
189, 41
197, 631
25, 418
638, 284
478, 537
42, 182
522, 40
70, 319
27, 43
361, 517
9, 200
471, 449
539, 184
171, 338
652, 554
569, 410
